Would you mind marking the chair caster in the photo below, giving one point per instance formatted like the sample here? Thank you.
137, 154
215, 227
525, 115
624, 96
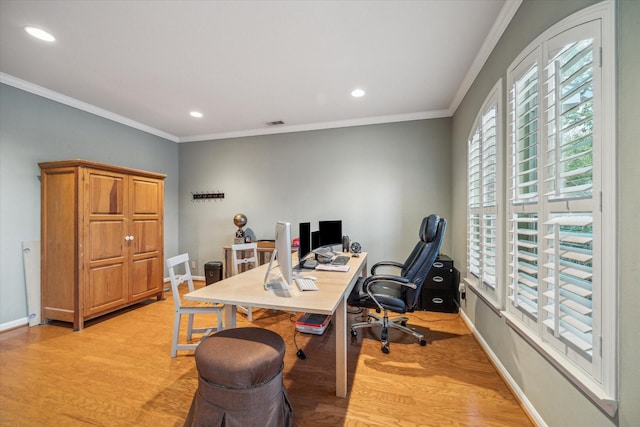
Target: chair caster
423, 342
354, 333
385, 348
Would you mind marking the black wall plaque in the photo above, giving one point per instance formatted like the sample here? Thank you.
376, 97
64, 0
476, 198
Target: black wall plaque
208, 196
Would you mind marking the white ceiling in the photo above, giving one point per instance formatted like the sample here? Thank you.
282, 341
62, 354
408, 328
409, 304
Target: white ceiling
244, 63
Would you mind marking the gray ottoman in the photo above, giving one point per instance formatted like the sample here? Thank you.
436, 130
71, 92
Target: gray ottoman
240, 380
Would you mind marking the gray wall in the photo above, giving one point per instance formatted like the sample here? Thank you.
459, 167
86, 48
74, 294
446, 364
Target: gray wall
556, 400
34, 129
380, 180
629, 206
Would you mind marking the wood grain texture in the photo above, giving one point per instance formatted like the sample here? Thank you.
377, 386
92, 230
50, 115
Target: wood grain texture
118, 371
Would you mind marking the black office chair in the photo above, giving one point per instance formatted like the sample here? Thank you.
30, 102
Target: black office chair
398, 294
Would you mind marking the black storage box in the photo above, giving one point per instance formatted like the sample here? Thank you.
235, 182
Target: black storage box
212, 272
440, 288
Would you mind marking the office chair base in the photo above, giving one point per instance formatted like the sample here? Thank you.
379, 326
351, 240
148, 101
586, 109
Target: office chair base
385, 323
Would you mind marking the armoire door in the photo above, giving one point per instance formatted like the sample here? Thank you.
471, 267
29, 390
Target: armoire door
146, 199
105, 251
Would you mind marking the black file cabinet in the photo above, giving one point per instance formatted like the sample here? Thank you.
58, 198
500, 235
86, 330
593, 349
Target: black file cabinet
440, 288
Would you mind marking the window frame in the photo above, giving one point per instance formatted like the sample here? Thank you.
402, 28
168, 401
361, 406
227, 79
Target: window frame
601, 388
493, 295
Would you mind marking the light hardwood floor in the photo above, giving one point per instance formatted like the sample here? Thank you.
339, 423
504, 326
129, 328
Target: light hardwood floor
118, 372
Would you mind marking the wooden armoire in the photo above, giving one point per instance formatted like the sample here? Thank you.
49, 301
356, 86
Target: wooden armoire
102, 239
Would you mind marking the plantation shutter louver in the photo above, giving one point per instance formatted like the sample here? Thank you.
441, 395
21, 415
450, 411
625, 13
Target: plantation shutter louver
568, 235
523, 224
482, 238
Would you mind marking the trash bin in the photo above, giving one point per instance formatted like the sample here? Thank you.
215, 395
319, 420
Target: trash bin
212, 272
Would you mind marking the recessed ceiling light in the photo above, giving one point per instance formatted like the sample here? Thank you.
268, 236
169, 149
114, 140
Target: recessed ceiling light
357, 93
40, 34
196, 114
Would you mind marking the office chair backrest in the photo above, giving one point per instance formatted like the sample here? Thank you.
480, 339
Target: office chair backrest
434, 235
428, 231
411, 259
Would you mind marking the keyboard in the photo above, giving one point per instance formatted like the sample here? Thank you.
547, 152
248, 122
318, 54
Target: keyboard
306, 284
340, 260
331, 267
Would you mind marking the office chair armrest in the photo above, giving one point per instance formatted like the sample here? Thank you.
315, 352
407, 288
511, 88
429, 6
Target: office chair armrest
396, 280
385, 264
387, 278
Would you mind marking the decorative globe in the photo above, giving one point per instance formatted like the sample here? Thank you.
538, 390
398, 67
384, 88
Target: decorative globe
240, 220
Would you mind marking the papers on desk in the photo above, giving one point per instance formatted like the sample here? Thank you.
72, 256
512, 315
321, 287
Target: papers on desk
331, 267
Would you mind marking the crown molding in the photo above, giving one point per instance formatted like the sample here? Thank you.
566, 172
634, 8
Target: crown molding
509, 9
83, 106
320, 126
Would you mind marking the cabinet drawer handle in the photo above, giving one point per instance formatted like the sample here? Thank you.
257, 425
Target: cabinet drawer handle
127, 238
438, 279
438, 264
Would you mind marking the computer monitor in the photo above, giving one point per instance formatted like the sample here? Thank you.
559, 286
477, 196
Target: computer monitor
305, 240
282, 253
330, 233
315, 239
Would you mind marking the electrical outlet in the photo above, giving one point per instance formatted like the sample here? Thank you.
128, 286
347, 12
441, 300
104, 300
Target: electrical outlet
193, 265
462, 288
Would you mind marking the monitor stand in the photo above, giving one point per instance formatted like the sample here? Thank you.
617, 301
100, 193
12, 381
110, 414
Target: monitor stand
308, 264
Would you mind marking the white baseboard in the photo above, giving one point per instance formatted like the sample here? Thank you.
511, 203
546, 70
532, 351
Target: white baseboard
25, 320
14, 324
531, 410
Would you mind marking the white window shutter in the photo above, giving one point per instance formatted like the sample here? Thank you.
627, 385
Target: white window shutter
569, 279
561, 232
482, 218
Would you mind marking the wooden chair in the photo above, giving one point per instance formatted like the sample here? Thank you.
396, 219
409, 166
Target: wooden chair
239, 257
188, 307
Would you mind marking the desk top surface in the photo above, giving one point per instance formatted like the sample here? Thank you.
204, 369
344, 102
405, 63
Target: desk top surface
248, 289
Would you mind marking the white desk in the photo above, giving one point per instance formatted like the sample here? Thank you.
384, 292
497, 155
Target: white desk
247, 289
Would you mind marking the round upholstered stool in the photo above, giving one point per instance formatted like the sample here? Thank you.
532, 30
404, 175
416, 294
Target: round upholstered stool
240, 380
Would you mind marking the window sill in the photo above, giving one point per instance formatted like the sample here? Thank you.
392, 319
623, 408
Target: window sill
484, 297
584, 383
